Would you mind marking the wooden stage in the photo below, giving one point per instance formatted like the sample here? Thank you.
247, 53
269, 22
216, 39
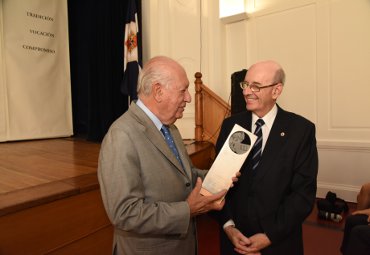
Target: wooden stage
41, 171
50, 200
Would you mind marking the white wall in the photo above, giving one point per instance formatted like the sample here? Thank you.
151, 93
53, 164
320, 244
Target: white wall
324, 47
171, 28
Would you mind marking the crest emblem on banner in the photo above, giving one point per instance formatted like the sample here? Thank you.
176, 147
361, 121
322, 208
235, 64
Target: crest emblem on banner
131, 42
131, 52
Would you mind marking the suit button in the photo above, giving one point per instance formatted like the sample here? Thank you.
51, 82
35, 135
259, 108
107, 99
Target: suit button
187, 184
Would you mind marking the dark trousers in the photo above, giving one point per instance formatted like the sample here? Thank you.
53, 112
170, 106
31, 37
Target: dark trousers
283, 248
356, 238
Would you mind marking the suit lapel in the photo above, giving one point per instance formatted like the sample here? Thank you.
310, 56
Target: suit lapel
154, 136
181, 149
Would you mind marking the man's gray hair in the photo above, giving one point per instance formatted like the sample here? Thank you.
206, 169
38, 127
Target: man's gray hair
280, 76
156, 70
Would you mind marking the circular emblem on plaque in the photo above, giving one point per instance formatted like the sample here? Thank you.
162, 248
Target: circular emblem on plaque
239, 142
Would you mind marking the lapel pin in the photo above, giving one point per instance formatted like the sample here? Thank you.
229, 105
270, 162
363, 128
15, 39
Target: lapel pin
282, 134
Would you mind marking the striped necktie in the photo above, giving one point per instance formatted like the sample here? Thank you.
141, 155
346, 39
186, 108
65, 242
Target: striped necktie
257, 148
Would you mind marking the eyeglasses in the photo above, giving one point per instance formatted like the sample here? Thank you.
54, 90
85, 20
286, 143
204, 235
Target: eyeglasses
255, 87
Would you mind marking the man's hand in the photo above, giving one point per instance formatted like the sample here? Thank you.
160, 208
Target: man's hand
258, 242
242, 244
200, 204
235, 178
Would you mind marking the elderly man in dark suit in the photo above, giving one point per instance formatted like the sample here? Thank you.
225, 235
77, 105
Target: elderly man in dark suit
265, 210
150, 192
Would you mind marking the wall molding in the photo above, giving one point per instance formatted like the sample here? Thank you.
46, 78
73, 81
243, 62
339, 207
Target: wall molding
346, 192
343, 146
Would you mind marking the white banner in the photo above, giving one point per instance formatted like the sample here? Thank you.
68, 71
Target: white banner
35, 87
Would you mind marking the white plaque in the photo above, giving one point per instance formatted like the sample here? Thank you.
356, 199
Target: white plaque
229, 161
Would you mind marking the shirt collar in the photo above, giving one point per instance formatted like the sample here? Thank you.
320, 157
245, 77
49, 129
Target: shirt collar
269, 118
151, 115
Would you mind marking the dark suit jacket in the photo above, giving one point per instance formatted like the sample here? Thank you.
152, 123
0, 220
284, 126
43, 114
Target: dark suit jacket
277, 196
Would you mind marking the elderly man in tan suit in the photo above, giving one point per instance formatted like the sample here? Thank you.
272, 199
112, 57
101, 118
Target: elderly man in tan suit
150, 195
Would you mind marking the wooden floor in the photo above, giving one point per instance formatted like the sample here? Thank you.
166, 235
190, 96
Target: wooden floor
35, 172
41, 171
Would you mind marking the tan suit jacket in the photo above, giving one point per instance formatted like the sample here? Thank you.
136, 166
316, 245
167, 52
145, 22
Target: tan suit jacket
144, 188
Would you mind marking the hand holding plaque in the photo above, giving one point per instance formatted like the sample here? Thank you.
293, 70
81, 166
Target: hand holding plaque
229, 160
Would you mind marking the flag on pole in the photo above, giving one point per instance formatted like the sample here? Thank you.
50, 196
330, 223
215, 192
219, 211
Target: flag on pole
132, 52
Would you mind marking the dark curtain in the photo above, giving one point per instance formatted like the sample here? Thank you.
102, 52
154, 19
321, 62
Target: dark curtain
96, 34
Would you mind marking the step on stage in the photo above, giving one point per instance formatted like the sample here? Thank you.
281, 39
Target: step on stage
50, 201
49, 198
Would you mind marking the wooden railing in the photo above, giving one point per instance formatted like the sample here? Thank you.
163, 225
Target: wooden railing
210, 111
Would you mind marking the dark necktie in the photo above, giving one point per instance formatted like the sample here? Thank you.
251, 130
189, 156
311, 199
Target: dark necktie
257, 148
169, 140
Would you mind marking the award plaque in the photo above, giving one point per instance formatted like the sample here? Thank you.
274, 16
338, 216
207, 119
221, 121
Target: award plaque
229, 160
